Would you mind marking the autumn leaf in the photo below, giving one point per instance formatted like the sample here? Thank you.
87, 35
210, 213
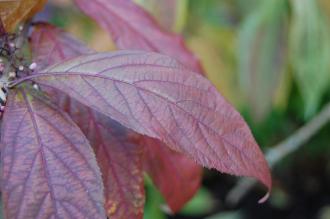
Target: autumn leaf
132, 28
13, 12
154, 95
125, 21
176, 176
48, 167
123, 184
153, 38
120, 161
210, 44
51, 45
2, 29
130, 36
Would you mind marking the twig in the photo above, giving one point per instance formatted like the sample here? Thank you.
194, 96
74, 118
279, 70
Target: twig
276, 153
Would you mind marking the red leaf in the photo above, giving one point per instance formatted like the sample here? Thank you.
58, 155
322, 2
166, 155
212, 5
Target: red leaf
51, 45
153, 95
128, 35
177, 177
48, 167
119, 160
133, 28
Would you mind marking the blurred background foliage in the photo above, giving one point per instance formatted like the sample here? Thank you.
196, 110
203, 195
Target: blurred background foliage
271, 59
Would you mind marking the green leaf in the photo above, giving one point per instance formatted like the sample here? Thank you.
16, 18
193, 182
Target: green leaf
154, 201
202, 203
262, 55
310, 52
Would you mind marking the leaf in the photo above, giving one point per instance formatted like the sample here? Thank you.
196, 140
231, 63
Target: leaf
177, 177
202, 204
2, 28
215, 47
51, 45
13, 12
133, 37
154, 95
48, 167
132, 28
310, 52
154, 202
262, 55
120, 161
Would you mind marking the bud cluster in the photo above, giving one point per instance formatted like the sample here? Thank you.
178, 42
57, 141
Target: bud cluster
12, 64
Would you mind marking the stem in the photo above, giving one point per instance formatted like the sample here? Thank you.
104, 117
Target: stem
21, 80
279, 151
19, 43
23, 35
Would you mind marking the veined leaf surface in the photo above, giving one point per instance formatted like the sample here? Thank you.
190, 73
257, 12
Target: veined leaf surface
154, 95
48, 167
119, 159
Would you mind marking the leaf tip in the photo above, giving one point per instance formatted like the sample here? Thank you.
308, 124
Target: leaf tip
266, 180
265, 198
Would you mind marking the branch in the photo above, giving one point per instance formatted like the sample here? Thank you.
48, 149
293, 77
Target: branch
278, 152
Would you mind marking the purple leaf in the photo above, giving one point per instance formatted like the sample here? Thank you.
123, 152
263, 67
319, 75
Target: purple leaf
45, 34
120, 161
122, 167
133, 28
51, 45
155, 96
176, 176
48, 167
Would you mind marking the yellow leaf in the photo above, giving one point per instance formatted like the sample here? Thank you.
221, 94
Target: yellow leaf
217, 60
282, 92
13, 12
